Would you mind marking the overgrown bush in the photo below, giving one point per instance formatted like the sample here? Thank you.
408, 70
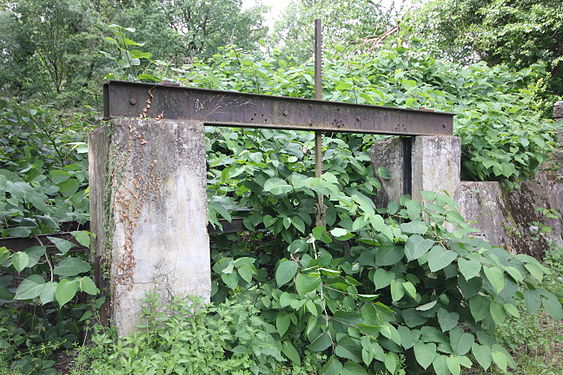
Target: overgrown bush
43, 168
43, 189
503, 135
389, 288
191, 338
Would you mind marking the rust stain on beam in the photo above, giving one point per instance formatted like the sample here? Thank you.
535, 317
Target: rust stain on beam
229, 108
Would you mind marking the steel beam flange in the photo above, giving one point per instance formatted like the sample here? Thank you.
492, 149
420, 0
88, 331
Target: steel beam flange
228, 108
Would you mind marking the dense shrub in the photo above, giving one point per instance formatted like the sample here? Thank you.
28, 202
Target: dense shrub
191, 338
503, 135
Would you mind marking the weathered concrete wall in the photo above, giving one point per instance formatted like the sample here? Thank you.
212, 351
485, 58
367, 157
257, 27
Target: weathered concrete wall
516, 220
152, 225
436, 164
388, 153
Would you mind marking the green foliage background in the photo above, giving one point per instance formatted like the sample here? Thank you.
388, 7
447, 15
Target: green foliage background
379, 289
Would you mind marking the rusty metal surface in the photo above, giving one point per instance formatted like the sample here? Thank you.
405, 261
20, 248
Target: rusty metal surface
22, 243
226, 108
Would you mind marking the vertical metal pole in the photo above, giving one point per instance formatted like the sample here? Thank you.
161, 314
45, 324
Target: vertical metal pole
320, 217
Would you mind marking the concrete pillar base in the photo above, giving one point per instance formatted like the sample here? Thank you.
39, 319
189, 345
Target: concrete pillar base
436, 165
149, 212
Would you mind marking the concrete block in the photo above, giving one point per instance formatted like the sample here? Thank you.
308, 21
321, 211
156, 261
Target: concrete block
389, 154
514, 220
558, 111
436, 164
149, 213
482, 204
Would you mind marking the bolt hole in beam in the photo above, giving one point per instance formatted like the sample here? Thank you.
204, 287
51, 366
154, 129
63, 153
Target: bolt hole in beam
227, 108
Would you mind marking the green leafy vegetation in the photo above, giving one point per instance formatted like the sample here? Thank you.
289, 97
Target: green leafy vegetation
193, 338
399, 289
517, 34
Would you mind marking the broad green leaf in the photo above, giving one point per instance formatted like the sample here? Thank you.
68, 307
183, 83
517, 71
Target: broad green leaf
536, 270
351, 368
58, 176
66, 290
285, 272
35, 253
82, 237
230, 279
239, 262
71, 267
499, 358
345, 352
388, 256
332, 367
390, 362
414, 209
268, 221
277, 186
469, 268
290, 352
382, 278
379, 225
408, 337
62, 245
30, 288
424, 353
532, 300
440, 365
482, 354
552, 306
246, 271
410, 289
305, 283
497, 312
48, 292
367, 356
414, 227
69, 187
439, 258
447, 320
514, 273
511, 309
391, 333
479, 307
88, 286
287, 299
417, 246
461, 344
282, 323
470, 288
297, 246
453, 366
397, 291
310, 305
298, 223
495, 277
322, 342
20, 260
426, 306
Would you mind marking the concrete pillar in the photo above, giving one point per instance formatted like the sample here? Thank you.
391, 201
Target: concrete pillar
148, 208
389, 153
436, 164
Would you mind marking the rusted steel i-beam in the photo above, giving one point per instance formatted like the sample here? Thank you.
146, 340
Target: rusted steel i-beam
227, 108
